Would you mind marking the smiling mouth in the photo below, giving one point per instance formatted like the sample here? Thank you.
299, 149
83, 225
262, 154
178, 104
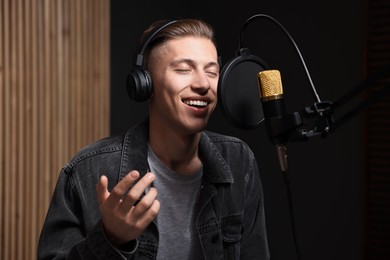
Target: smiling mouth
195, 103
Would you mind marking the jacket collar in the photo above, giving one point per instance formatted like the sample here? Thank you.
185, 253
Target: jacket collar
134, 155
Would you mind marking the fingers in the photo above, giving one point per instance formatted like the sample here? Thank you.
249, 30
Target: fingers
145, 211
134, 195
145, 203
101, 189
122, 188
120, 195
122, 219
148, 214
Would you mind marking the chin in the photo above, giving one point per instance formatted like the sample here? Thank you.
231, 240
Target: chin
196, 127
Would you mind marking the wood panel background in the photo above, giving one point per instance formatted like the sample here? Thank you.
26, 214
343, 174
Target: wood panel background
377, 181
54, 99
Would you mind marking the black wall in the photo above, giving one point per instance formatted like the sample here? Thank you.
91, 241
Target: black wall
326, 174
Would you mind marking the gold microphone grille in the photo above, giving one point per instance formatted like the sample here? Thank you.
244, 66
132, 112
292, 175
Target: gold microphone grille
271, 83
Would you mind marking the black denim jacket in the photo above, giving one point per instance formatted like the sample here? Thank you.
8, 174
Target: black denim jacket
230, 215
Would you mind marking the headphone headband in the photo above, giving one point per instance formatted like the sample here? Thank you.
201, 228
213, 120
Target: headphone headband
139, 60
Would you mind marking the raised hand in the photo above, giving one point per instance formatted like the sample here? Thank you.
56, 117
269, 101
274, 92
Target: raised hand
126, 213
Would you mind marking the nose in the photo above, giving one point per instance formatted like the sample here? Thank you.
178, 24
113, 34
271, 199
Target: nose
201, 82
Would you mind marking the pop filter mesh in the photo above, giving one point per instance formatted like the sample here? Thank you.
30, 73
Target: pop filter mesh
238, 93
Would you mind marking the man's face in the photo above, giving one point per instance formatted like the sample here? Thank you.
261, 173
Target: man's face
185, 76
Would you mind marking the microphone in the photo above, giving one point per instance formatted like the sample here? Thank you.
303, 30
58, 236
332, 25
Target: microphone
271, 96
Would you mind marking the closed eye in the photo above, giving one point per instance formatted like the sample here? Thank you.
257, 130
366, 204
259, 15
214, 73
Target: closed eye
212, 74
182, 70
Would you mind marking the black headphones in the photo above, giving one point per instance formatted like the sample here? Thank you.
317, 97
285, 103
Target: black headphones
139, 82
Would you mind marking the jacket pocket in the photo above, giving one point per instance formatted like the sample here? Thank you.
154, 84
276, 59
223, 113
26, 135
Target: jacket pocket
231, 228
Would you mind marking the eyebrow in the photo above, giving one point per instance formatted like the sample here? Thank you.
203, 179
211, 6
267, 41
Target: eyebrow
193, 63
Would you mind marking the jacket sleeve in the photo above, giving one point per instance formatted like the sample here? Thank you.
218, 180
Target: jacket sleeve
254, 241
72, 228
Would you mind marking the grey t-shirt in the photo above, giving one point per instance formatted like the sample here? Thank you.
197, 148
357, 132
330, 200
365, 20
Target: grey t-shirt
178, 195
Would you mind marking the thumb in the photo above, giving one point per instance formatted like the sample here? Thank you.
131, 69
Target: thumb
101, 189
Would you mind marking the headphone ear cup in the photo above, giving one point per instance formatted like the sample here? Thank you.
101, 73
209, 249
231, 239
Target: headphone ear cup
139, 85
139, 82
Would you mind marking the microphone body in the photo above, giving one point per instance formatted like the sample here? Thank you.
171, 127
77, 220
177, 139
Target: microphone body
274, 113
271, 95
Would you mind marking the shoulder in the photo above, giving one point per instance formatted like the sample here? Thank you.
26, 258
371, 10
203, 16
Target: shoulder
108, 145
107, 153
222, 139
228, 144
225, 155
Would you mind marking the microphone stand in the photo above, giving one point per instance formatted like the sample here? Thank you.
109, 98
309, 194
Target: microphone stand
278, 128
291, 126
323, 111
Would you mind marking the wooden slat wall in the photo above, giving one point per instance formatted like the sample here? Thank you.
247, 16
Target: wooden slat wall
54, 99
377, 246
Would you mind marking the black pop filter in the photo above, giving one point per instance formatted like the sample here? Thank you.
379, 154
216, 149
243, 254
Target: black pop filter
238, 92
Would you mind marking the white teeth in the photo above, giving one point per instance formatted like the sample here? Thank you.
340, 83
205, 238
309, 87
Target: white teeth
196, 103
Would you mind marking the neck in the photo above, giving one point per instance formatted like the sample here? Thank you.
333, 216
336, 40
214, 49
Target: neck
177, 151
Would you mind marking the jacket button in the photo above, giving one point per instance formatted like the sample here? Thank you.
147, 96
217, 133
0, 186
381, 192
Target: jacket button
214, 238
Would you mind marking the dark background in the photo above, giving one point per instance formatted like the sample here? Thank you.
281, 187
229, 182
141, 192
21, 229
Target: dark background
326, 174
